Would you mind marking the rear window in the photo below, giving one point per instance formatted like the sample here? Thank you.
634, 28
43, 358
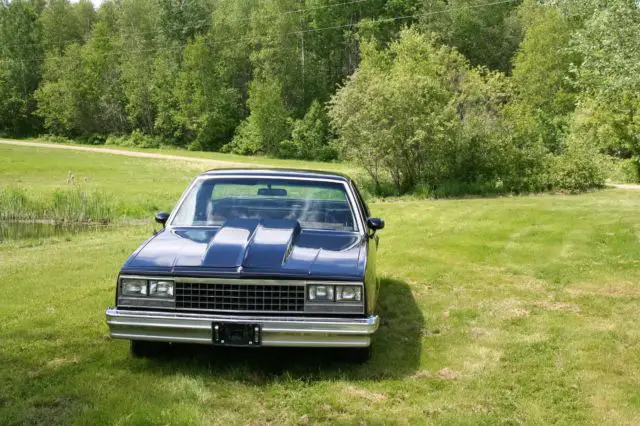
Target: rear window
315, 205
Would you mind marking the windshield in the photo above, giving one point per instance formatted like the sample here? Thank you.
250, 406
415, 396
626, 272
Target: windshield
315, 205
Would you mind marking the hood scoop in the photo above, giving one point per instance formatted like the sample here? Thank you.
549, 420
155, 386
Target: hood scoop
251, 243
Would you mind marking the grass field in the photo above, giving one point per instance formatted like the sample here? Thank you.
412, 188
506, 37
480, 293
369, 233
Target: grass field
503, 310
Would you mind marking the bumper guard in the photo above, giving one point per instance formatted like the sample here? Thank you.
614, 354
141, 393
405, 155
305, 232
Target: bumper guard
276, 331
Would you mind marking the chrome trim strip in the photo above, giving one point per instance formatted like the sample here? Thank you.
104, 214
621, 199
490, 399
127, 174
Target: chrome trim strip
276, 331
357, 217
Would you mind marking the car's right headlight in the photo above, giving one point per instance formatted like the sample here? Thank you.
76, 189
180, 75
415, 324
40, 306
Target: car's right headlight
133, 287
160, 288
320, 293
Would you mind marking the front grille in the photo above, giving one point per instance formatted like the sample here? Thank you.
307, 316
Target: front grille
240, 297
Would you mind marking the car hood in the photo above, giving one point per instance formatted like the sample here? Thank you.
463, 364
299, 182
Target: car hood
252, 247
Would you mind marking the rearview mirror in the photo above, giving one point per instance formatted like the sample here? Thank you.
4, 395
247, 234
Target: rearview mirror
272, 192
375, 223
162, 217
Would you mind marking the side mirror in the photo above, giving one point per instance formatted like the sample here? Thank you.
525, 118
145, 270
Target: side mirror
375, 223
162, 218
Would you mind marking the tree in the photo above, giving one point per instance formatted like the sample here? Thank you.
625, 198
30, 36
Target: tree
396, 114
64, 23
208, 107
267, 125
487, 35
21, 57
609, 76
82, 93
309, 137
541, 74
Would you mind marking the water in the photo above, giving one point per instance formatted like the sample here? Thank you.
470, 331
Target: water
38, 230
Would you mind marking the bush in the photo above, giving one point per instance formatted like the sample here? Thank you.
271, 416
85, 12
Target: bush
624, 171
418, 114
580, 168
309, 137
55, 139
267, 125
246, 140
136, 139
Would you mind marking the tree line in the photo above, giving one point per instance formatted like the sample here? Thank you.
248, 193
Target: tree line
455, 96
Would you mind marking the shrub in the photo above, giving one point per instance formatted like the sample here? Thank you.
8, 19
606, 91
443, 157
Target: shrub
136, 139
418, 114
309, 137
580, 168
624, 171
56, 139
267, 125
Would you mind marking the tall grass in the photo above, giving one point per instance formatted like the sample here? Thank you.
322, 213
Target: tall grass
72, 204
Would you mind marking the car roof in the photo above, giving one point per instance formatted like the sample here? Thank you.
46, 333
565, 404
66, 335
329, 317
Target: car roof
275, 172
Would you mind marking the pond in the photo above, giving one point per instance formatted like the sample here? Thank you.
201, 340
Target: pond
37, 230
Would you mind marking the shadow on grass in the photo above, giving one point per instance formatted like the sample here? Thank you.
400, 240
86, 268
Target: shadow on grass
397, 346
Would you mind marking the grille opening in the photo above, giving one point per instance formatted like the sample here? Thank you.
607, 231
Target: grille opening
240, 297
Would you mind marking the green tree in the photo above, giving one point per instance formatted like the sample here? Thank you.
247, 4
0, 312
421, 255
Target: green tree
82, 93
267, 125
65, 23
609, 76
309, 137
541, 75
486, 35
138, 26
396, 114
208, 107
21, 59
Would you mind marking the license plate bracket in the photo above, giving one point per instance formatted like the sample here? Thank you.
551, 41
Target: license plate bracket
236, 334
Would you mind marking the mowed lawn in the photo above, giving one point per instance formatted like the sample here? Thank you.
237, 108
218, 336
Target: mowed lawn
502, 310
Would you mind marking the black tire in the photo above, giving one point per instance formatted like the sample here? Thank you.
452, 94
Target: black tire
358, 355
145, 349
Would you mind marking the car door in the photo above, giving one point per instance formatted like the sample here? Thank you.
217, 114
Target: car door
371, 282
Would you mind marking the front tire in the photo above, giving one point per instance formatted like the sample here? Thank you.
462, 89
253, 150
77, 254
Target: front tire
146, 349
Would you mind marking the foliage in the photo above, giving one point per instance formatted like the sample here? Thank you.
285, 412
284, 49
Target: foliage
21, 57
493, 100
309, 137
487, 36
418, 114
541, 75
609, 77
267, 125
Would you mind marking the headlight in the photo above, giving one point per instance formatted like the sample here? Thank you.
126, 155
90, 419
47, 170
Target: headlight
160, 288
133, 287
348, 293
320, 293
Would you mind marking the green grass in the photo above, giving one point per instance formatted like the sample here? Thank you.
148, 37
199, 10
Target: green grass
135, 187
70, 204
503, 310
220, 156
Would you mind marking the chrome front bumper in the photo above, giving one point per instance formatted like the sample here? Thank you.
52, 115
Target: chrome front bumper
276, 331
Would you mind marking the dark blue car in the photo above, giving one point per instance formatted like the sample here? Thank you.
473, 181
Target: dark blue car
255, 258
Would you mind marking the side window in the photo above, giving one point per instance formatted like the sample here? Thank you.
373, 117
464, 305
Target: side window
364, 206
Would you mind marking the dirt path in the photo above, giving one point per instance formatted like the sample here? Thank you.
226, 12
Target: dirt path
631, 186
215, 163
